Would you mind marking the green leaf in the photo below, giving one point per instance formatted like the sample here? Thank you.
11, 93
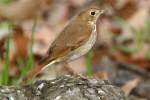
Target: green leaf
89, 64
5, 73
127, 49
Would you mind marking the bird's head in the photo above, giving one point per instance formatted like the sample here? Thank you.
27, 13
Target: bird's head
91, 15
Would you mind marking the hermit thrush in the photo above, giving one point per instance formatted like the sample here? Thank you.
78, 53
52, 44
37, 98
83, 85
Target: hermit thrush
75, 40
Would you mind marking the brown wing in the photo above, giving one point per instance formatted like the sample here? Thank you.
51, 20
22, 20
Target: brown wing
72, 37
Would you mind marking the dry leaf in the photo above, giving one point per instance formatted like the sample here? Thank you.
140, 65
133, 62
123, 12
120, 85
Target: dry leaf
22, 9
2, 48
101, 75
127, 9
21, 43
130, 85
43, 40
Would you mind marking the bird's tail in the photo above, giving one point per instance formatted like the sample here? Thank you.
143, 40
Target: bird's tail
35, 71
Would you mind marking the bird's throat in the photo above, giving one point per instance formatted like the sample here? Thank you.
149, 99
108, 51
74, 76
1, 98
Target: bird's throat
92, 23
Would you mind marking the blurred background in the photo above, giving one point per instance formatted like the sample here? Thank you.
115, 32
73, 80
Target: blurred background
121, 53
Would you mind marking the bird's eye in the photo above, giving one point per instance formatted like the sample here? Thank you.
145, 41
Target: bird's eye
92, 13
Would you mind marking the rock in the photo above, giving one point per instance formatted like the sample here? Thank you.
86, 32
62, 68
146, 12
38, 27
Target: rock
64, 88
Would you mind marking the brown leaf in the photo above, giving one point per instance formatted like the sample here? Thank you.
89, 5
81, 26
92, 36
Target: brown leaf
130, 85
122, 8
128, 8
43, 39
2, 48
101, 75
23, 9
21, 43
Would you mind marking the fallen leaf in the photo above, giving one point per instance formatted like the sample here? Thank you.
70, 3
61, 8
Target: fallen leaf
130, 85
2, 48
101, 75
22, 9
21, 43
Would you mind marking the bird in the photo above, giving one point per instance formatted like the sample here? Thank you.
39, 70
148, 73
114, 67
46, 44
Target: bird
74, 41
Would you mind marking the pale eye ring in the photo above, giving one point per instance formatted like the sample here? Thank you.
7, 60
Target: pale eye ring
92, 13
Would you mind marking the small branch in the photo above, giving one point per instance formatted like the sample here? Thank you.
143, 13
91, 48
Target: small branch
134, 68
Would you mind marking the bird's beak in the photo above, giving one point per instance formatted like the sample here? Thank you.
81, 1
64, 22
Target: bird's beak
101, 12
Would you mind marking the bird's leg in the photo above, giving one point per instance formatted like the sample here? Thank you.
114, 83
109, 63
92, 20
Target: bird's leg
68, 68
